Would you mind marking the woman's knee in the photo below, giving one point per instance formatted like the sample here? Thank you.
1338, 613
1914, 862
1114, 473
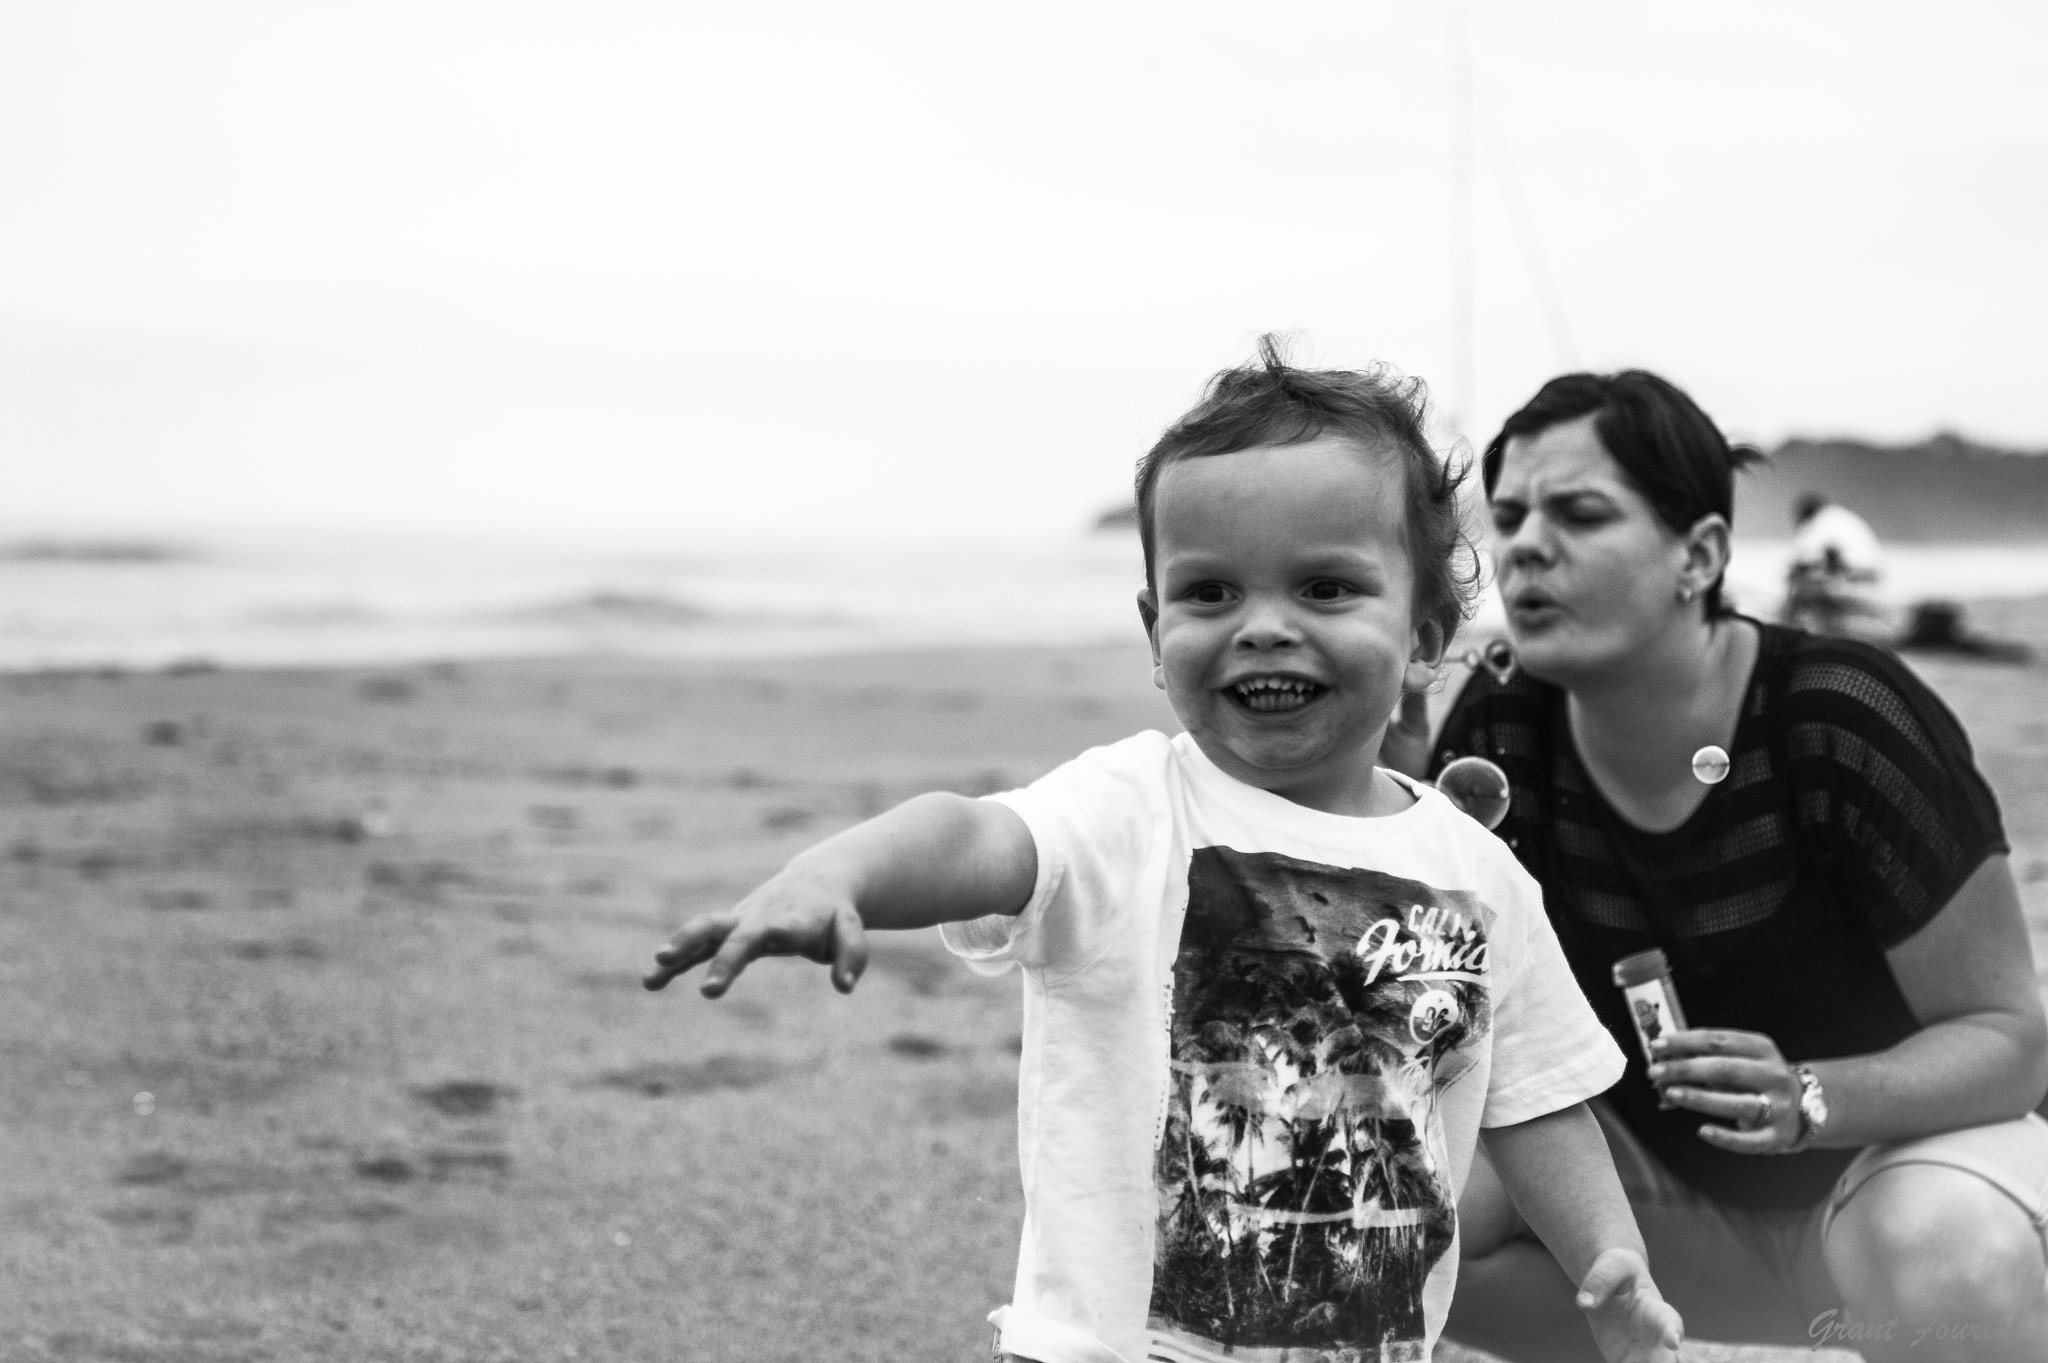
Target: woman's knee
1938, 1244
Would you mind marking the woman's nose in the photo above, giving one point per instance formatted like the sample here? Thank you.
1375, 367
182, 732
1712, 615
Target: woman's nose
1528, 544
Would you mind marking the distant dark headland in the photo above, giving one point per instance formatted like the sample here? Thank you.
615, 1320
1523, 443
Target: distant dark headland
92, 551
1943, 489
1946, 488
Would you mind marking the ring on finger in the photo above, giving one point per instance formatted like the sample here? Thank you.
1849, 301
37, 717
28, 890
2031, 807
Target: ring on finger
1762, 1117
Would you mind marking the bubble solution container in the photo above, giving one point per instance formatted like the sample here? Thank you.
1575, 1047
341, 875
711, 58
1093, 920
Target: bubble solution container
1645, 980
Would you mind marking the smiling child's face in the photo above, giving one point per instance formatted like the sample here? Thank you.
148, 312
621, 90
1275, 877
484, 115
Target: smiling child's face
1284, 621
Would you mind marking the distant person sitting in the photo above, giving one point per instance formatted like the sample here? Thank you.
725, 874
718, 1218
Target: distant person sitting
1835, 564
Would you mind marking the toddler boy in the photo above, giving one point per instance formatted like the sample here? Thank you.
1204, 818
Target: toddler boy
1273, 992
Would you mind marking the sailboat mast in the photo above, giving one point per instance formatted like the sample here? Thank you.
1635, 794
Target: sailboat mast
1462, 406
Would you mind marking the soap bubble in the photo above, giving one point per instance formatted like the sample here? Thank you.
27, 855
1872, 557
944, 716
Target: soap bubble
1477, 787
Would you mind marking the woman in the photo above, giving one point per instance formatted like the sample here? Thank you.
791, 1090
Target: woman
1841, 1149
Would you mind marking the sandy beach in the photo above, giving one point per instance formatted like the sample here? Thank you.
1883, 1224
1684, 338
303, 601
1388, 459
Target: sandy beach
324, 1037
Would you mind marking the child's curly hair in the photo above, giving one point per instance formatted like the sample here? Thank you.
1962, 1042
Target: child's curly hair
1270, 402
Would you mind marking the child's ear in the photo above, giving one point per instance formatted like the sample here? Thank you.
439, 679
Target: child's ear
1426, 656
1148, 612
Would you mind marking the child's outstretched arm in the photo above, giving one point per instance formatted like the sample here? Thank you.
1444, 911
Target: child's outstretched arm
935, 859
1562, 1179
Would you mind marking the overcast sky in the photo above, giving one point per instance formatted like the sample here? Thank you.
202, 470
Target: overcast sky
877, 266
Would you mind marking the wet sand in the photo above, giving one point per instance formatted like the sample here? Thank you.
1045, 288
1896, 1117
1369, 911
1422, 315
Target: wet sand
324, 1038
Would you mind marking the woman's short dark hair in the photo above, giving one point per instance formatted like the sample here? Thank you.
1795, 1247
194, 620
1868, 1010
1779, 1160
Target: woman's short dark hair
1269, 402
1670, 450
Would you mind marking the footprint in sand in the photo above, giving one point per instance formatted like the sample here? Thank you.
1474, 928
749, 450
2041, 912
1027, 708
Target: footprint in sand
661, 1079
386, 1169
472, 1162
294, 949
171, 899
170, 1225
555, 818
441, 1165
154, 1166
786, 819
465, 1097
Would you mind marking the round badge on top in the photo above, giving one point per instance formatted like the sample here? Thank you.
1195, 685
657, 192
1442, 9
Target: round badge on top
1710, 764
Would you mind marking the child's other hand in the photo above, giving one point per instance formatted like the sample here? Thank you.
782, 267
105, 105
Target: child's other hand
1631, 1321
789, 916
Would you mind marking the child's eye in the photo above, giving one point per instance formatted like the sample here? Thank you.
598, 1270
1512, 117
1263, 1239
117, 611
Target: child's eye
1208, 593
1507, 519
1325, 589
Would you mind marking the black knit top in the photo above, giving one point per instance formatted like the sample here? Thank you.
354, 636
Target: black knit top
1852, 812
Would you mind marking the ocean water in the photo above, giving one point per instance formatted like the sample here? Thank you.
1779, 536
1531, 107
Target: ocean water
332, 598
307, 599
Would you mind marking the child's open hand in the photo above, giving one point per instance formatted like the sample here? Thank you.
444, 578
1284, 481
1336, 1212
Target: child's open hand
1631, 1321
791, 915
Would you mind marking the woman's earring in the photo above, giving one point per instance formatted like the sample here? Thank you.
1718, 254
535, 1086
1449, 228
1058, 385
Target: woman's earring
1685, 593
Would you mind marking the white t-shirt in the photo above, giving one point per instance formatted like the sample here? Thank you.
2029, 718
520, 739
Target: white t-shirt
1259, 1043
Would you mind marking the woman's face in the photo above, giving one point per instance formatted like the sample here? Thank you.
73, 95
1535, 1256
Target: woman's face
1589, 575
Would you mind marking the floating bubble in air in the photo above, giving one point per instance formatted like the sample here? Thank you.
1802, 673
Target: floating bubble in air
1478, 787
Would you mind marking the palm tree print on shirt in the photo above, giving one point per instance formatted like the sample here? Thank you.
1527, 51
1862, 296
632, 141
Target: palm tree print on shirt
1318, 1011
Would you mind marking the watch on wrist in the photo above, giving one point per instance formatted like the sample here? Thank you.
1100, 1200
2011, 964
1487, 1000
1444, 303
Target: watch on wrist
1813, 1109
